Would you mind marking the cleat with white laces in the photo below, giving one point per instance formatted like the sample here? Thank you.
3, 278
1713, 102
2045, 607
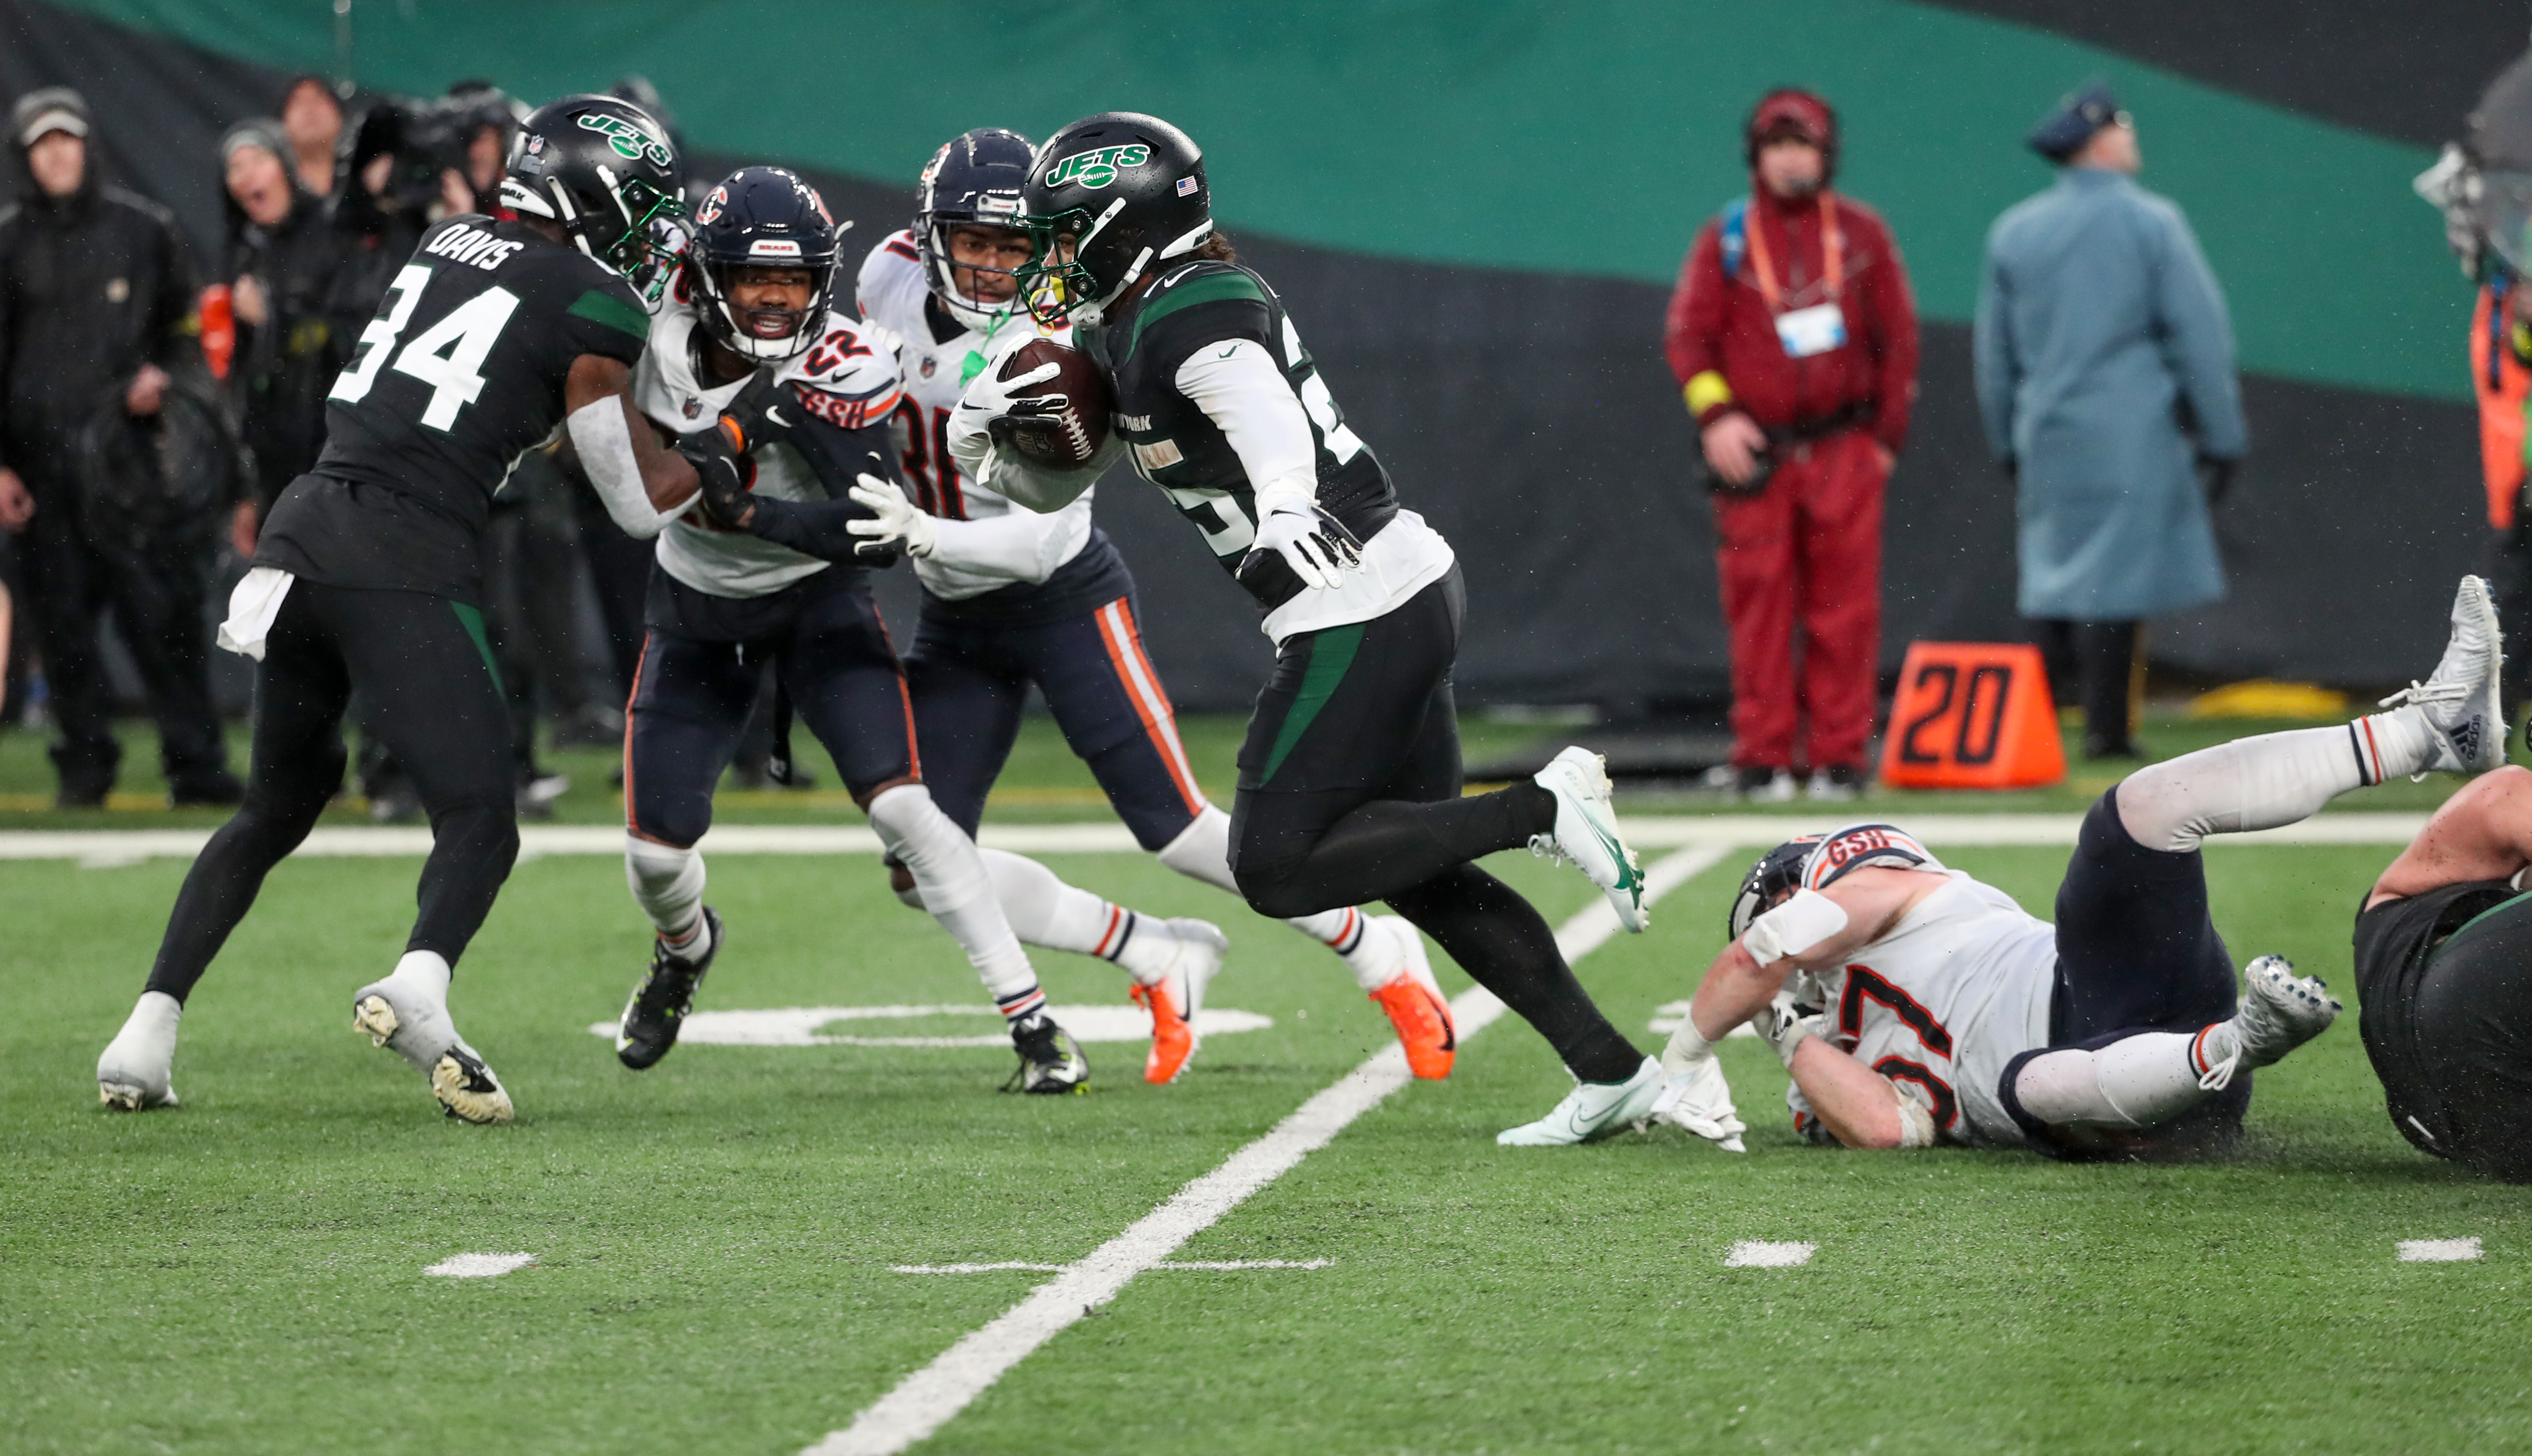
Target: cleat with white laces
2279, 1012
137, 1071
395, 1014
1586, 832
1051, 1064
657, 1010
1412, 1001
1592, 1110
2458, 701
1175, 998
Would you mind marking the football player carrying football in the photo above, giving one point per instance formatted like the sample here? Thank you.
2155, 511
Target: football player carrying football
366, 585
1349, 776
1012, 598
750, 333
1915, 1006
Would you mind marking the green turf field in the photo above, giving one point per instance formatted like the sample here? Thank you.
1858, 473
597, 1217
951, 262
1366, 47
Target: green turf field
715, 1240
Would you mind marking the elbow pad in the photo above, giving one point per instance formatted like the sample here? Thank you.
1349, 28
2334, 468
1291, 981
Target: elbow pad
1916, 1119
1794, 928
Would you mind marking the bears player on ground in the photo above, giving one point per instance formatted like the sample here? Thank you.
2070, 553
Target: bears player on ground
1913, 1005
1350, 778
753, 315
366, 579
1012, 598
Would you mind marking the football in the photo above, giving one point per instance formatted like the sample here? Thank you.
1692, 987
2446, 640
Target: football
1068, 438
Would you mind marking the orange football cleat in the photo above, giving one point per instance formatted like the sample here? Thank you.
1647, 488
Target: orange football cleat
1172, 1037
1413, 1002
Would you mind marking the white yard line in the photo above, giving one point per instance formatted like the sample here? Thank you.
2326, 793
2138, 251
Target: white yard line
107, 848
479, 1266
2438, 1250
1758, 1254
926, 1400
1057, 1268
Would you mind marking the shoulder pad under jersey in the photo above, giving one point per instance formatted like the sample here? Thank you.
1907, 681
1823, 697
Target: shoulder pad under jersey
1855, 846
848, 377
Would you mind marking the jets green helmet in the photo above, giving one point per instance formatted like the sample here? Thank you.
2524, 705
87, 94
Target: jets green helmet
603, 170
1108, 197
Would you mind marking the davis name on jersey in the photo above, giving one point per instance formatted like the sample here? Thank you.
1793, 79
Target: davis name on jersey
1957, 989
937, 357
848, 379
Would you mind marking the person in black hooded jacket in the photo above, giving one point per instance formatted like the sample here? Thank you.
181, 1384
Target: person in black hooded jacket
283, 258
97, 305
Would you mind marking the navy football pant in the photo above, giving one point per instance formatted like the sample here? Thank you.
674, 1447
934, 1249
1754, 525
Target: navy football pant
691, 700
970, 680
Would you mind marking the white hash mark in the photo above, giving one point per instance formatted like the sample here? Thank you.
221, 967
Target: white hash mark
926, 1400
2438, 1250
479, 1266
1758, 1254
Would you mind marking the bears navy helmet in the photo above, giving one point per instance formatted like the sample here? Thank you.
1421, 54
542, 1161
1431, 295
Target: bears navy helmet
602, 169
762, 217
1107, 197
975, 178
1771, 877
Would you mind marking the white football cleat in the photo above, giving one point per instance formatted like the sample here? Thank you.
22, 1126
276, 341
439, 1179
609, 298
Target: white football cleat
2458, 700
2279, 1012
397, 1016
1178, 994
137, 1071
1586, 832
1592, 1110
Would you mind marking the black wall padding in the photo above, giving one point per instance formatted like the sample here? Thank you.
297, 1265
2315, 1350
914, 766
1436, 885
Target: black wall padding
1531, 418
2410, 69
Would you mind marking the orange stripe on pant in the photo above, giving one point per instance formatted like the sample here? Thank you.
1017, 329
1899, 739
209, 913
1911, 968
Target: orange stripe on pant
1143, 685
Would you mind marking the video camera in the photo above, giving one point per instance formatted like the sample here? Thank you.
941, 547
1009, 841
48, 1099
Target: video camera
425, 140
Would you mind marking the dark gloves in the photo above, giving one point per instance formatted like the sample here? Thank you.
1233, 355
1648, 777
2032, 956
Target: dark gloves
758, 414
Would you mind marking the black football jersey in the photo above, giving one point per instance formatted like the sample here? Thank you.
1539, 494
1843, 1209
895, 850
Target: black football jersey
459, 374
1176, 446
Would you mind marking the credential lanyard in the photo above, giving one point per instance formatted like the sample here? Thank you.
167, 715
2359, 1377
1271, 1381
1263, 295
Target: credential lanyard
1832, 250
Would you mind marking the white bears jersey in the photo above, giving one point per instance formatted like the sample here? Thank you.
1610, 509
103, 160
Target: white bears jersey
848, 379
1961, 987
936, 371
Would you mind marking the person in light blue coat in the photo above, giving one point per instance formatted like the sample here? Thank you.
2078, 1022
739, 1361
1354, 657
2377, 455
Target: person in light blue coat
2106, 379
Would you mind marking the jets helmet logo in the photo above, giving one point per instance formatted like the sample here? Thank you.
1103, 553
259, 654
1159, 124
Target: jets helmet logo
629, 140
1098, 167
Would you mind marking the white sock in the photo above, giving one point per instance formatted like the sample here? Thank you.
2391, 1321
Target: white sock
2136, 1082
152, 1022
2263, 782
1044, 911
1202, 851
949, 873
667, 883
425, 971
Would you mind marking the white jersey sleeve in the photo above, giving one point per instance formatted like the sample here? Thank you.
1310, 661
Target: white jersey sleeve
983, 543
1958, 989
846, 379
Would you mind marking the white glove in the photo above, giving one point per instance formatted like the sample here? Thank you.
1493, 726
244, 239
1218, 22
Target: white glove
1693, 1093
1313, 544
986, 399
893, 519
1783, 1024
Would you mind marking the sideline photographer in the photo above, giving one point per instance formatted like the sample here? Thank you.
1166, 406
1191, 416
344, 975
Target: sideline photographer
96, 325
283, 259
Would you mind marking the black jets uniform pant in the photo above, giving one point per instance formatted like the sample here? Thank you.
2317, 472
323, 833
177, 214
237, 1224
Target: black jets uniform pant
970, 679
427, 687
2137, 951
1350, 791
2445, 980
691, 700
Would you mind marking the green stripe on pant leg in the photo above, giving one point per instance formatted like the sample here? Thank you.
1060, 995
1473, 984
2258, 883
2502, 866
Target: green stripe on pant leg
1331, 653
472, 621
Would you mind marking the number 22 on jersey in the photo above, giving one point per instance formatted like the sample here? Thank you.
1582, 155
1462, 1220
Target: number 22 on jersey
449, 355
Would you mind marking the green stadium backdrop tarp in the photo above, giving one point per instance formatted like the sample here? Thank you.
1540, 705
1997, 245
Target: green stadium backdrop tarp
1475, 211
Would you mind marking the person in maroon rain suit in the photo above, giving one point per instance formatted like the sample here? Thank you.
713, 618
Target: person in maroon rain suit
1794, 338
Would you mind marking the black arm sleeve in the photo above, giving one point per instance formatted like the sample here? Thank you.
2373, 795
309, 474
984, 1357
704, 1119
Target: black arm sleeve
818, 528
